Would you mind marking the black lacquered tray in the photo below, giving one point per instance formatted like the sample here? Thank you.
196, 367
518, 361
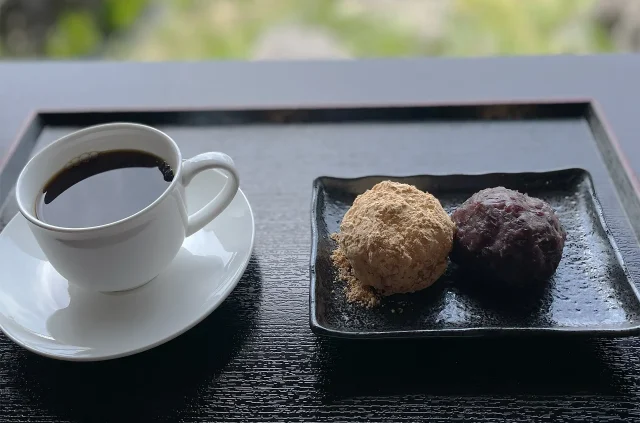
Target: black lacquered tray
256, 358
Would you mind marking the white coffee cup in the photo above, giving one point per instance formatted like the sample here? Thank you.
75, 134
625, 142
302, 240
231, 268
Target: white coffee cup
130, 252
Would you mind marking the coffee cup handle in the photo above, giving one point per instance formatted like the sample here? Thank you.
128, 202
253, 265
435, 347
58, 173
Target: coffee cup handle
191, 167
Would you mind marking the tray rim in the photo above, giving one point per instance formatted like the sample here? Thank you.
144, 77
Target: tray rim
320, 329
35, 122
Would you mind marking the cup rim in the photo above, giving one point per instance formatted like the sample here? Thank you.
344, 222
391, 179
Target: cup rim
81, 132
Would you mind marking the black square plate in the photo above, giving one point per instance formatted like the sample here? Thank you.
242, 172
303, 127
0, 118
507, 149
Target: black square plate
591, 292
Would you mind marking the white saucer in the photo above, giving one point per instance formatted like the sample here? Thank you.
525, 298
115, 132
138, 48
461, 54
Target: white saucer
42, 312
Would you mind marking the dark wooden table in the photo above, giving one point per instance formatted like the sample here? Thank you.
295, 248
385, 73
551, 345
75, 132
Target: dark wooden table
255, 358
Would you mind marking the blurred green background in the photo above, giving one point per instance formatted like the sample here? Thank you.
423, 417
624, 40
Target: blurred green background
152, 30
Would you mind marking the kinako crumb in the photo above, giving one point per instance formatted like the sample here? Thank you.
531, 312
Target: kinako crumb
355, 291
394, 239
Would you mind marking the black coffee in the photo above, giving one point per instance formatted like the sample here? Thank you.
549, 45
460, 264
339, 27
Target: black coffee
103, 188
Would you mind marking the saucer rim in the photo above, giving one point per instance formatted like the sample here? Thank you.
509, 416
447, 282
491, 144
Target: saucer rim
104, 357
